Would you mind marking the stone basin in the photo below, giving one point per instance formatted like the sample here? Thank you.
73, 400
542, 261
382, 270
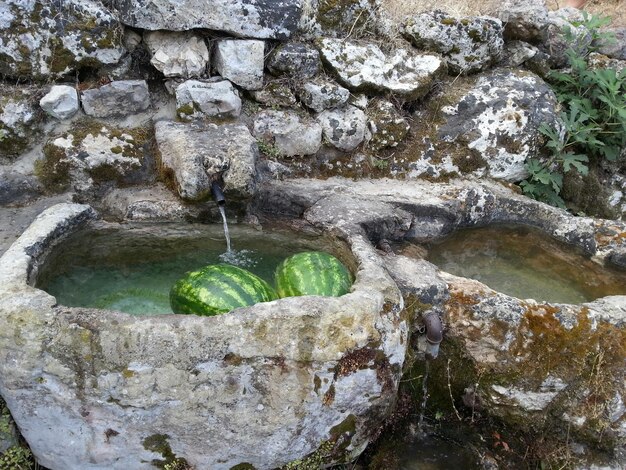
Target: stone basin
257, 388
310, 380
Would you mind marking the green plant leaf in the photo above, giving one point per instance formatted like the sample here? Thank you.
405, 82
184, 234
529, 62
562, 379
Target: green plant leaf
577, 161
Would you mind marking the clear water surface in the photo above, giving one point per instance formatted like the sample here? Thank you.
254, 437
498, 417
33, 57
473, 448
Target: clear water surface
525, 263
132, 269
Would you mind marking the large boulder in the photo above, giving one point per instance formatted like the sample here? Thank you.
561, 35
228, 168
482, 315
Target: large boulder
469, 44
20, 120
287, 134
364, 67
193, 155
499, 119
241, 62
43, 39
178, 54
243, 18
196, 99
118, 98
525, 20
522, 344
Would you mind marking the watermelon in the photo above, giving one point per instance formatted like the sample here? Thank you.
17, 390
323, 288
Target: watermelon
217, 289
312, 273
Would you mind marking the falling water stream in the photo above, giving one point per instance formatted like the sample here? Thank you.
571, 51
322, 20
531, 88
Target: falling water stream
226, 233
420, 423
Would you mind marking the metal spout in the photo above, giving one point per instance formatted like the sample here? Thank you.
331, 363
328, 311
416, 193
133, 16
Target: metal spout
218, 193
434, 333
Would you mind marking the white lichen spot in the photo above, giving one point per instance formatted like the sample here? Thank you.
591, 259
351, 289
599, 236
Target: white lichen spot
527, 400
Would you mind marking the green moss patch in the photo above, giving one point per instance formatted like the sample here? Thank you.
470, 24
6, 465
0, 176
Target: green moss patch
159, 443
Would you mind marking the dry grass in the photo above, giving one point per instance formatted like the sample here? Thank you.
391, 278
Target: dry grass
399, 9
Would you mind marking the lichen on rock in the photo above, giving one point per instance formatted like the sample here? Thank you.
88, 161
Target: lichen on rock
41, 40
20, 120
92, 153
365, 67
468, 44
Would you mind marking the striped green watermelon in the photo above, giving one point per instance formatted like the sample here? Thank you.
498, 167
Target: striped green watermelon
312, 273
218, 288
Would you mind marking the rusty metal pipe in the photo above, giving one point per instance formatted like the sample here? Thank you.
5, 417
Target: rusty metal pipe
434, 333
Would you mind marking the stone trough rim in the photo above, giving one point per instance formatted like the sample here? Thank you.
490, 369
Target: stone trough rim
88, 214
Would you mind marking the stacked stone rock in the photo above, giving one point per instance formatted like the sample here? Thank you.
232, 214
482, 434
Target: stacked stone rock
300, 87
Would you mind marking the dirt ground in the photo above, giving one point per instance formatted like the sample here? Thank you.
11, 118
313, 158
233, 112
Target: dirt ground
14, 220
399, 9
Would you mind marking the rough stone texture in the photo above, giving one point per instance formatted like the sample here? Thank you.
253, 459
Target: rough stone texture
14, 220
20, 120
468, 45
287, 133
344, 128
275, 94
441, 208
295, 59
555, 38
118, 98
527, 346
340, 18
617, 49
155, 203
322, 94
386, 124
540, 63
599, 61
60, 102
244, 18
525, 20
293, 377
366, 68
196, 99
16, 188
192, 155
500, 119
518, 52
241, 62
93, 153
178, 54
44, 39
569, 14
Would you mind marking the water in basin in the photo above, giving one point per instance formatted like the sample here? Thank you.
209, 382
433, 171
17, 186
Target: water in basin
132, 269
525, 263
